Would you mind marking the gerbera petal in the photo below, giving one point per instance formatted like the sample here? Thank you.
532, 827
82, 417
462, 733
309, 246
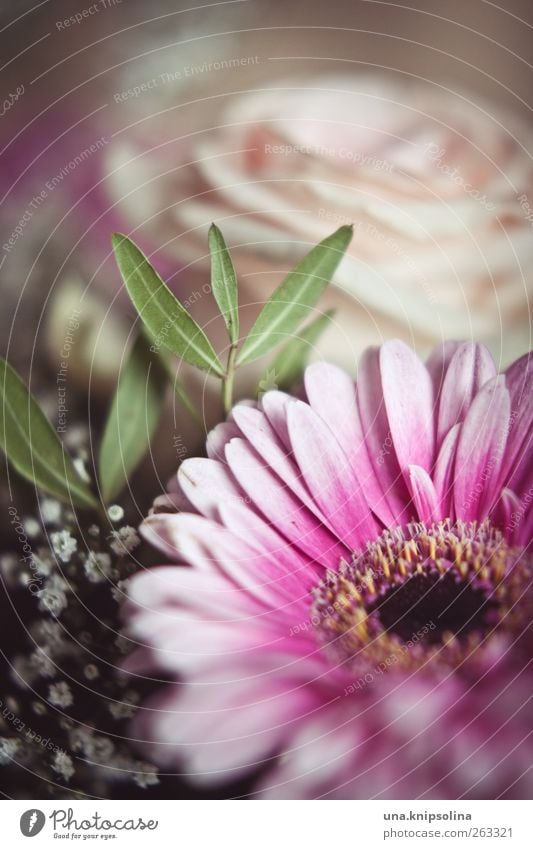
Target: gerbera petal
281, 507
275, 405
408, 397
179, 587
332, 396
518, 455
469, 369
207, 483
223, 729
255, 426
480, 451
329, 476
210, 547
184, 644
250, 527
437, 364
443, 475
378, 439
508, 514
323, 754
218, 438
424, 496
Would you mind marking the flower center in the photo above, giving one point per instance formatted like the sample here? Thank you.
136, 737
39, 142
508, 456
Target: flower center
451, 605
419, 592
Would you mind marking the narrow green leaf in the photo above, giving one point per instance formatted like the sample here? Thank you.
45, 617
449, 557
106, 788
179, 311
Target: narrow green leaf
289, 364
133, 417
169, 365
224, 282
293, 300
33, 447
167, 320
180, 391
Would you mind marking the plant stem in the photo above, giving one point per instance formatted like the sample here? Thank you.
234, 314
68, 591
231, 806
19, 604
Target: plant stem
227, 381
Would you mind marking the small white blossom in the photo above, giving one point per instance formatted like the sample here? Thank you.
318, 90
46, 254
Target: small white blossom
31, 526
79, 738
8, 749
123, 644
124, 540
120, 710
119, 591
23, 671
53, 597
115, 513
145, 775
99, 748
97, 566
42, 663
51, 633
41, 563
91, 671
64, 545
50, 511
60, 695
62, 764
52, 601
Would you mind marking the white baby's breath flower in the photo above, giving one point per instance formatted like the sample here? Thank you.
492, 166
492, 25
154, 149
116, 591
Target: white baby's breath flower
53, 596
49, 632
91, 671
42, 563
8, 749
42, 663
146, 775
64, 545
125, 540
120, 710
63, 765
31, 526
50, 511
97, 566
60, 695
115, 513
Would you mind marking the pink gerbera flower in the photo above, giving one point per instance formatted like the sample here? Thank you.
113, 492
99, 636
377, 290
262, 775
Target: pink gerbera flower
354, 621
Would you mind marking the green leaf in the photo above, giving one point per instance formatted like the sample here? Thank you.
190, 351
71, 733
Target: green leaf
167, 320
289, 364
179, 389
224, 282
169, 365
32, 445
293, 300
133, 417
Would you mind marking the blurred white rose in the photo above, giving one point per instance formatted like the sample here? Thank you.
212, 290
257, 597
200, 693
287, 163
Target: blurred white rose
431, 179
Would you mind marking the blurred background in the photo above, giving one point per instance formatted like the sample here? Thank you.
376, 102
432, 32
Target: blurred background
279, 121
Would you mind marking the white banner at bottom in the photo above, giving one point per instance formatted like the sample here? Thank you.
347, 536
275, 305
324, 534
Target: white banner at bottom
264, 825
